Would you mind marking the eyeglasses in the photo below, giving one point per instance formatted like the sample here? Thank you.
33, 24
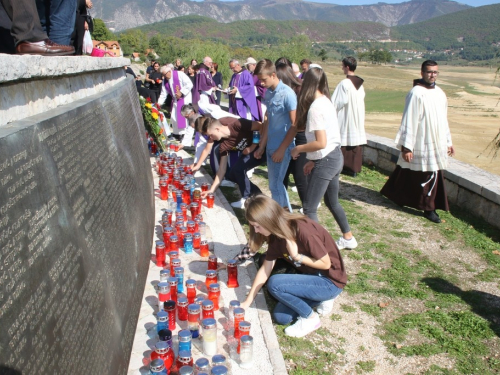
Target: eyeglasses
432, 72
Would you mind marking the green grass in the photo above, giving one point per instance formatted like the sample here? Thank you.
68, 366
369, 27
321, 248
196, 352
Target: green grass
365, 366
384, 101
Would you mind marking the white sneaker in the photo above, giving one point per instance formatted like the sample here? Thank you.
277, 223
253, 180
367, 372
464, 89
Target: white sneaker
303, 326
250, 173
325, 307
239, 204
342, 243
302, 210
227, 183
294, 189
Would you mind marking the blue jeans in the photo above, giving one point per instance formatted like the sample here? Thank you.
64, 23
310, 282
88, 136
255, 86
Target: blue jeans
297, 294
324, 181
58, 19
238, 174
276, 173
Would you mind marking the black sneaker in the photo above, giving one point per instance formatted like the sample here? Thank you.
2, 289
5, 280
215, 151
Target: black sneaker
432, 216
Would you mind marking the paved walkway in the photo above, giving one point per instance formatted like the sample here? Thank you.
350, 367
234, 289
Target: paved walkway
227, 239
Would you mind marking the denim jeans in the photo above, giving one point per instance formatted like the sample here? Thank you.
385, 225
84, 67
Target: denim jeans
58, 19
324, 181
238, 174
276, 173
297, 294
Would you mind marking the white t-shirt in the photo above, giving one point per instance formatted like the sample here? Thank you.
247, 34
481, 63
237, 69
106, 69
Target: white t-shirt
322, 116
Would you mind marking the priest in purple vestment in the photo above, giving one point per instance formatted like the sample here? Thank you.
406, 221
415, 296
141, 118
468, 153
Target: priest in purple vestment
260, 90
205, 85
242, 98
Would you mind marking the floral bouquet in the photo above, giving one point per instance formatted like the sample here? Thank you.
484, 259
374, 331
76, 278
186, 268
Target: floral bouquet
153, 119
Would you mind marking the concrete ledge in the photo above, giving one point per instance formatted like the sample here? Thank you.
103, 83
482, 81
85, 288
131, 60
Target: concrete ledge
468, 187
33, 84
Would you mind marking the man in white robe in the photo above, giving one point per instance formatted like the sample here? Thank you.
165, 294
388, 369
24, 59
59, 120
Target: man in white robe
425, 142
178, 85
349, 101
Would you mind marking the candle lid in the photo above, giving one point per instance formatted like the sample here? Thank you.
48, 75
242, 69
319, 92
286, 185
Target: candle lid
188, 236
196, 235
208, 323
234, 303
202, 364
178, 269
199, 300
182, 301
184, 335
246, 339
186, 370
163, 273
160, 244
162, 316
185, 354
190, 283
165, 334
176, 262
194, 308
218, 359
161, 347
169, 305
172, 280
174, 238
239, 310
163, 286
211, 273
206, 303
219, 370
214, 287
157, 365
232, 263
244, 325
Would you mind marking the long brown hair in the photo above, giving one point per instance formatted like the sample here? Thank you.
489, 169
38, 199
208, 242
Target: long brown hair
285, 74
313, 80
271, 216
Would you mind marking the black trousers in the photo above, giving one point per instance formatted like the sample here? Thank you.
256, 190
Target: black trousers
26, 25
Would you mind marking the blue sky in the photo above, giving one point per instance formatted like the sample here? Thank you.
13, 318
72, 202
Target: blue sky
474, 3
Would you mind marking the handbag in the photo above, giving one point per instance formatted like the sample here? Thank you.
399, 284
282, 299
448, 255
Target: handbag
90, 21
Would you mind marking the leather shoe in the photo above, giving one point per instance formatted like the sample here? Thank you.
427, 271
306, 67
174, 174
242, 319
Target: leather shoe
45, 48
432, 216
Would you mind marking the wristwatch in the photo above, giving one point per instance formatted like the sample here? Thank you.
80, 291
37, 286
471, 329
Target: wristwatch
298, 263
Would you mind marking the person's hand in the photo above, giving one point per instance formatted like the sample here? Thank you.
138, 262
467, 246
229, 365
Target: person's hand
258, 153
178, 95
204, 194
249, 149
85, 25
277, 156
308, 167
407, 156
451, 151
194, 167
233, 91
88, 4
295, 153
292, 248
245, 305
221, 266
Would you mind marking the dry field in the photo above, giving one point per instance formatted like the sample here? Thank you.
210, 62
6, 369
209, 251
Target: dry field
473, 104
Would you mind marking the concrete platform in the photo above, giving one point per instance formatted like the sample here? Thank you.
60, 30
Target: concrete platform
226, 239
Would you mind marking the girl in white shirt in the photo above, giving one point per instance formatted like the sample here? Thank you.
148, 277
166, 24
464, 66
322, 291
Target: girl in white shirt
316, 114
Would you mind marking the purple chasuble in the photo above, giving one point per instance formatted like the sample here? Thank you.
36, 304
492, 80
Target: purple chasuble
245, 84
181, 120
204, 82
261, 90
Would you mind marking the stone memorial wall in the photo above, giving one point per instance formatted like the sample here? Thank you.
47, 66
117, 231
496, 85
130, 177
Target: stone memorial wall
76, 212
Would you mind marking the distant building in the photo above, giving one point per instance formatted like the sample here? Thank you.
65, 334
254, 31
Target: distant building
136, 56
151, 52
109, 45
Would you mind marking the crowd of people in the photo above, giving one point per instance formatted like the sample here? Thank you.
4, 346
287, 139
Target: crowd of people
289, 120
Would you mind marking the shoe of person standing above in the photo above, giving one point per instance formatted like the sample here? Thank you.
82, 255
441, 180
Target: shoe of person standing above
27, 32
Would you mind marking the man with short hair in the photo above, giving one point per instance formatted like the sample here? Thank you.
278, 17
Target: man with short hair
205, 85
278, 130
242, 99
349, 101
425, 142
304, 64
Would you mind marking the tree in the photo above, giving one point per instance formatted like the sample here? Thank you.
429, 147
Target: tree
322, 54
101, 32
133, 41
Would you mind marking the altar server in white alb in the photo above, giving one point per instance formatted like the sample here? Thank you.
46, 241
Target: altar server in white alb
425, 142
178, 85
349, 101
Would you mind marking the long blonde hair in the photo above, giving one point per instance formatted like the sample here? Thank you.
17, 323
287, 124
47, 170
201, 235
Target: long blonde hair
271, 216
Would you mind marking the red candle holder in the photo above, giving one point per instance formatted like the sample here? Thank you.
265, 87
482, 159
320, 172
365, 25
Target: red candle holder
210, 200
182, 309
190, 225
186, 194
191, 290
163, 190
204, 186
211, 278
168, 215
174, 243
167, 233
169, 307
244, 329
214, 295
184, 359
232, 274
172, 283
207, 309
184, 208
204, 252
197, 241
193, 207
164, 352
160, 253
174, 263
212, 262
239, 316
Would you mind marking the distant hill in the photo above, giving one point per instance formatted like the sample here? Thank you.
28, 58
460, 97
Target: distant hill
125, 14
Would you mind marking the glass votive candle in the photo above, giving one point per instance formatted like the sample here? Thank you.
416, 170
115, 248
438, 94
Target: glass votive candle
163, 352
197, 193
188, 243
194, 209
174, 244
181, 231
157, 367
186, 370
239, 316
204, 250
184, 358
218, 360
190, 225
185, 338
193, 318
163, 190
219, 370
209, 336
207, 308
172, 283
161, 320
256, 137
166, 335
202, 365
232, 274
191, 290
202, 229
214, 295
246, 351
186, 194
204, 186
160, 253
184, 209
212, 262
164, 275
163, 293
210, 200
174, 263
179, 273
211, 277
244, 329
230, 314
197, 241
167, 215
182, 310
169, 307
167, 233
